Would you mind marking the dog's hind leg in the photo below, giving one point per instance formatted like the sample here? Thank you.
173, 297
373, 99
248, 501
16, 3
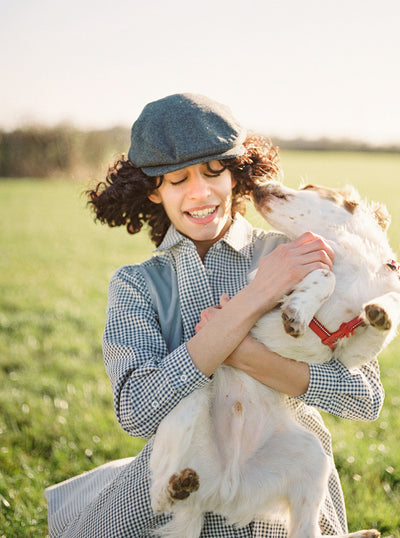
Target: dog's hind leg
305, 496
176, 469
290, 470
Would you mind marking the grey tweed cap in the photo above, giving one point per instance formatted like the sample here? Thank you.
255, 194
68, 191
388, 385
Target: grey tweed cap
181, 130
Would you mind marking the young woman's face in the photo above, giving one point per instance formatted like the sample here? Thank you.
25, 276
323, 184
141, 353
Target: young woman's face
198, 201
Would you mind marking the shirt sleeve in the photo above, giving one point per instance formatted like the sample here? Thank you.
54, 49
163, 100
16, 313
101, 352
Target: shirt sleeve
146, 379
355, 394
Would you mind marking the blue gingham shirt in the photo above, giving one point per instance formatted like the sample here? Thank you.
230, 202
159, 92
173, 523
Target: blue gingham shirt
149, 379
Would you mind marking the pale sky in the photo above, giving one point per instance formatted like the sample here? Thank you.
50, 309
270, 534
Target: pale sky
285, 67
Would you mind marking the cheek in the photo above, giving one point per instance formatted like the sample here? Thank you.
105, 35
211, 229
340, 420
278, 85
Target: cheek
227, 190
170, 198
228, 201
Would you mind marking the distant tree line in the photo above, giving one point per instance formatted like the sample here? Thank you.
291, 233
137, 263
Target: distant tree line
331, 144
65, 151
61, 151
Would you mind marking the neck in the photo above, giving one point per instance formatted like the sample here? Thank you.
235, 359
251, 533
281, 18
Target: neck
204, 246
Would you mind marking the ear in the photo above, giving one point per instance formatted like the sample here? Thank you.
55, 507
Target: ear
351, 198
381, 215
155, 197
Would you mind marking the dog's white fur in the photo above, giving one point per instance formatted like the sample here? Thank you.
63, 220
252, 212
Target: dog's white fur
252, 458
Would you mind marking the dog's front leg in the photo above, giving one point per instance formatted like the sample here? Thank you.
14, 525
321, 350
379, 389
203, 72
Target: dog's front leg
383, 313
307, 297
382, 317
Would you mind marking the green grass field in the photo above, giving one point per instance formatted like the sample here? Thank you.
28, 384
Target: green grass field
56, 413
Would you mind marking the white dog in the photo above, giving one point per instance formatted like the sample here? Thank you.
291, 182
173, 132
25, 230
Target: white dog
233, 447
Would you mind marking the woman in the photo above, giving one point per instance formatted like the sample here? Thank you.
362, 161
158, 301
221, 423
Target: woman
190, 168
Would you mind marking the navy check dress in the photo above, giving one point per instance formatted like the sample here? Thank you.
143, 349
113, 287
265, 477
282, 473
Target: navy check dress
151, 371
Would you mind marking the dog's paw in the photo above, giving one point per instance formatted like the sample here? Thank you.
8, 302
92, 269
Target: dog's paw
182, 484
371, 533
291, 322
179, 487
378, 317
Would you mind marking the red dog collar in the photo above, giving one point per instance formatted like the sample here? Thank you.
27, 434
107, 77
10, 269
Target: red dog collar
330, 339
347, 328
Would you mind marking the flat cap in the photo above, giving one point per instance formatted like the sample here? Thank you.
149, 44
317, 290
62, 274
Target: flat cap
181, 130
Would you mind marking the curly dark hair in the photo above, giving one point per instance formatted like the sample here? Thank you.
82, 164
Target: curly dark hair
122, 199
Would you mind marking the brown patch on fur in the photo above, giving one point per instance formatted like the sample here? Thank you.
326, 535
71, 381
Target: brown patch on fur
350, 205
381, 215
342, 197
237, 407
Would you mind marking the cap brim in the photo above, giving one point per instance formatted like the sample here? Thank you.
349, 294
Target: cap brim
166, 168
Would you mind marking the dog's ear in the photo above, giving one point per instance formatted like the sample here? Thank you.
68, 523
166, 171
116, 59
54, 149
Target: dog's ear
381, 215
351, 198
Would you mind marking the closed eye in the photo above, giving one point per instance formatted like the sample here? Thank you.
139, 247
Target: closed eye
211, 172
179, 181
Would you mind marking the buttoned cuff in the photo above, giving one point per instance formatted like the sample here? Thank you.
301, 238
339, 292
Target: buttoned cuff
323, 388
182, 374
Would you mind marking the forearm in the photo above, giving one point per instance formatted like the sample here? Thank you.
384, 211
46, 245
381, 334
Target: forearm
229, 326
284, 375
353, 394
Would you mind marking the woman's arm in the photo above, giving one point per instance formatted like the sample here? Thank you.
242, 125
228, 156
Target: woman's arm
284, 375
277, 274
147, 380
353, 394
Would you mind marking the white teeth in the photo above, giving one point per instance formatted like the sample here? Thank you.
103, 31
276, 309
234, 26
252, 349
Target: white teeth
200, 214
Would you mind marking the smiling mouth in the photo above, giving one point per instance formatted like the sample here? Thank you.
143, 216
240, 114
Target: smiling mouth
202, 213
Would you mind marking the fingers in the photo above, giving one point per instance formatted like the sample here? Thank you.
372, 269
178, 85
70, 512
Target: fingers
209, 313
286, 265
310, 242
315, 257
224, 299
206, 315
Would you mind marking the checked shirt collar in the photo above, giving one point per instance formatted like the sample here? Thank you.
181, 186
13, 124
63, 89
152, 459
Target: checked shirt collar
195, 288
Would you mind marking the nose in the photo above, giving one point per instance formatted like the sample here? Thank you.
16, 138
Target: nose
199, 187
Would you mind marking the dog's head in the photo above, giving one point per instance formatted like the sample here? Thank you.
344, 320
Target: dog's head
313, 207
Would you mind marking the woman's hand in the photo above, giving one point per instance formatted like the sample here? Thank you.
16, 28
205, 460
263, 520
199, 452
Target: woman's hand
285, 375
210, 312
280, 270
284, 267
